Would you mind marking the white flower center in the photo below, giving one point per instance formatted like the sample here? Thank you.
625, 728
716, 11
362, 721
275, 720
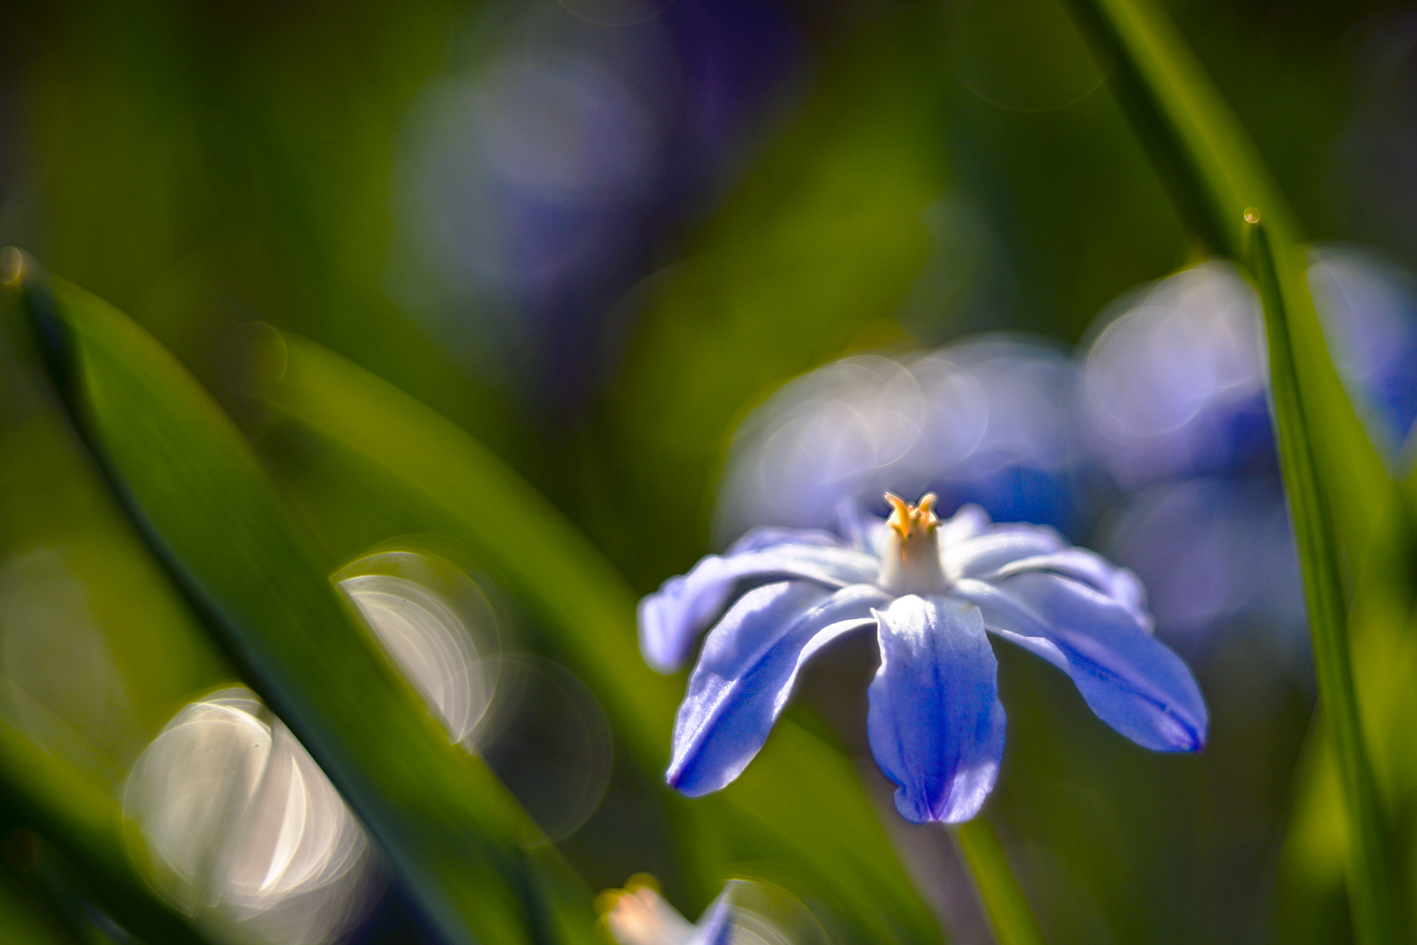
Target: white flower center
910, 562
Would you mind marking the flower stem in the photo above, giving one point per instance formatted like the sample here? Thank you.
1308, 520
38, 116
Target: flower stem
1336, 495
999, 890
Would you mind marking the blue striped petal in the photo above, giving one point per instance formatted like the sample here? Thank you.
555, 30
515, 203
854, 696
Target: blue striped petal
1090, 568
998, 545
746, 672
935, 721
672, 618
1129, 678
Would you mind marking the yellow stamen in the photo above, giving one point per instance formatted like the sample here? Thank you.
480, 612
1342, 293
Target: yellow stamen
907, 520
912, 562
900, 518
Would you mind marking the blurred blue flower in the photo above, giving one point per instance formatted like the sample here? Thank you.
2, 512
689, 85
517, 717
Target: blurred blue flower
930, 588
1369, 310
1174, 406
1211, 550
1174, 383
988, 421
539, 179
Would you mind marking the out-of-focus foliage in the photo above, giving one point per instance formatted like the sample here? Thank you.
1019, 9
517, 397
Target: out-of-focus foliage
433, 477
197, 495
597, 248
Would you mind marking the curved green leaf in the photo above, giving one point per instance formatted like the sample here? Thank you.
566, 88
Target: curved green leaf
197, 493
799, 801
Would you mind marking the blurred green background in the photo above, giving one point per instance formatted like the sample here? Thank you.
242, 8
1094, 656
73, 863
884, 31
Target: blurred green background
598, 272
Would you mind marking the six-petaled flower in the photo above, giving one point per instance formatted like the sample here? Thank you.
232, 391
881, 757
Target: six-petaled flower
931, 589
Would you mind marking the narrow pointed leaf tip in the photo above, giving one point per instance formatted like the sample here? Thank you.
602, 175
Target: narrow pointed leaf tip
1219, 177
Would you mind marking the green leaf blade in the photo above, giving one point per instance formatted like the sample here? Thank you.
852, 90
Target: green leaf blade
1369, 884
198, 495
1216, 175
81, 820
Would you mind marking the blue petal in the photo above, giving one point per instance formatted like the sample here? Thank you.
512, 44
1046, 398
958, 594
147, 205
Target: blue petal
1129, 678
746, 671
715, 926
673, 617
1090, 568
985, 552
935, 722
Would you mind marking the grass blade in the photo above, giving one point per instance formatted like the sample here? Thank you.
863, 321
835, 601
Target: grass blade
196, 492
1338, 495
84, 823
1369, 885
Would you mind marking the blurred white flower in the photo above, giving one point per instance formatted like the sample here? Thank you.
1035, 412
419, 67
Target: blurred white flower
531, 720
640, 916
431, 644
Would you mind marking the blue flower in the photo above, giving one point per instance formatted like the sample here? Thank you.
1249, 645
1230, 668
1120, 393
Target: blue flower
1174, 380
1174, 385
931, 589
1369, 312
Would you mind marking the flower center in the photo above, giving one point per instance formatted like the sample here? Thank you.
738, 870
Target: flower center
910, 562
